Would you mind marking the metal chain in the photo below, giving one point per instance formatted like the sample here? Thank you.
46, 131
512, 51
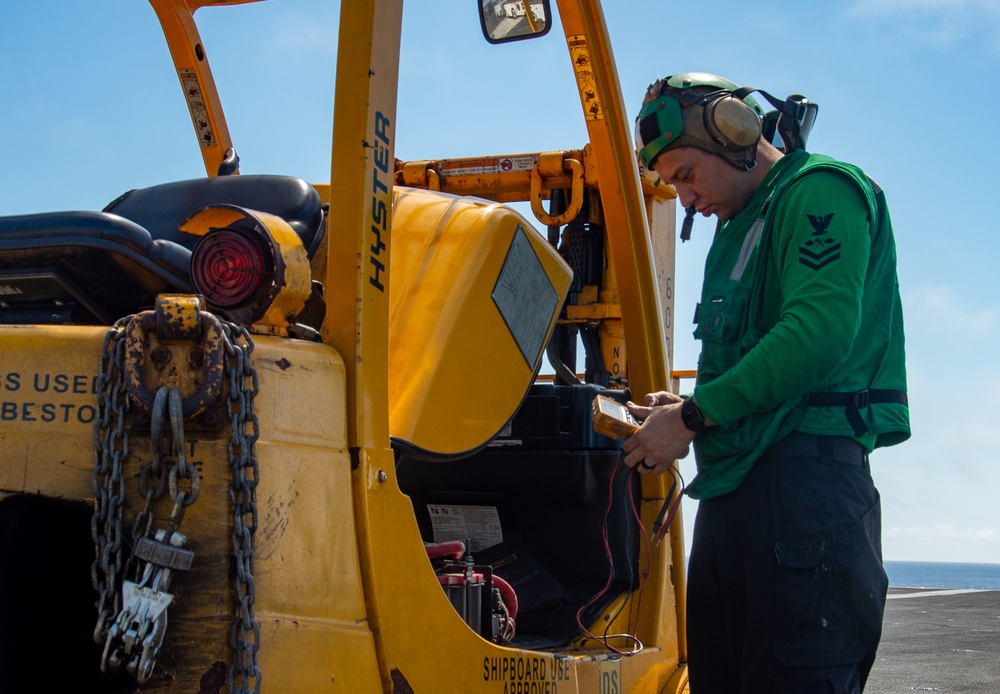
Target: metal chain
143, 524
110, 449
244, 673
134, 640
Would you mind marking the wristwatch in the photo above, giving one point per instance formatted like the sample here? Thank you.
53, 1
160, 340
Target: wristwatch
693, 417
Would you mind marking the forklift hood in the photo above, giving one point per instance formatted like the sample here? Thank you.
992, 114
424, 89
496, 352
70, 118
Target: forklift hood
474, 296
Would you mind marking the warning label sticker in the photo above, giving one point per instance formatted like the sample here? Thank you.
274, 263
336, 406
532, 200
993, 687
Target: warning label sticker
479, 524
196, 102
487, 165
585, 80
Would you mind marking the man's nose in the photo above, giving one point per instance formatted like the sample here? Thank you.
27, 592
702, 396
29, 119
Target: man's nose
685, 195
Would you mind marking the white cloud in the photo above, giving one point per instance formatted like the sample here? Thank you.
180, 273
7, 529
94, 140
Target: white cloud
948, 543
921, 8
941, 23
942, 322
938, 488
948, 533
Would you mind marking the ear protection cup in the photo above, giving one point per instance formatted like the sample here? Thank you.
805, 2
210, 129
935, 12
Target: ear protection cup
731, 122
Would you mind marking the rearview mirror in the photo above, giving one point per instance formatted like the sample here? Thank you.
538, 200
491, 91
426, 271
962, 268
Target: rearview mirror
508, 20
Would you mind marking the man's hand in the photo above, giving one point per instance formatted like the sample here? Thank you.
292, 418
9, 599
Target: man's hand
662, 438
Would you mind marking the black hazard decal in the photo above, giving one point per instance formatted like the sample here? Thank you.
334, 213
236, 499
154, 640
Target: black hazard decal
820, 249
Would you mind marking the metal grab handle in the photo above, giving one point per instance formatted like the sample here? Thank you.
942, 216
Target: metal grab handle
575, 169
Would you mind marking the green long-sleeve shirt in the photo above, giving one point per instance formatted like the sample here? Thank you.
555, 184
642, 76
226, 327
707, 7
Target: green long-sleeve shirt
800, 296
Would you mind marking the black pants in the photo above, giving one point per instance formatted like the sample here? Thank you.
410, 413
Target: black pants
786, 587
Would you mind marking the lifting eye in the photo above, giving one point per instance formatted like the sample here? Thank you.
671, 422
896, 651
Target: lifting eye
232, 268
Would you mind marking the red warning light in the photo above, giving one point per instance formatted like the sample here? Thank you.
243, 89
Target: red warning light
232, 268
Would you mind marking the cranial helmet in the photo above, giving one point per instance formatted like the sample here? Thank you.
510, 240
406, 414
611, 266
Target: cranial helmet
697, 109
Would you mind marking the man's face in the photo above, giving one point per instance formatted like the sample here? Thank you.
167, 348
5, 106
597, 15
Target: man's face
706, 181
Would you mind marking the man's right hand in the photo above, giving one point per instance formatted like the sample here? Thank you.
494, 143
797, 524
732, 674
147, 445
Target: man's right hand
662, 438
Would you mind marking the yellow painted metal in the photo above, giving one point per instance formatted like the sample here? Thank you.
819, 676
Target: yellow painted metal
175, 346
309, 598
502, 178
181, 315
665, 570
293, 275
395, 570
614, 351
586, 33
191, 62
593, 312
661, 212
48, 408
457, 371
346, 597
361, 179
575, 169
589, 294
630, 253
357, 290
425, 642
499, 178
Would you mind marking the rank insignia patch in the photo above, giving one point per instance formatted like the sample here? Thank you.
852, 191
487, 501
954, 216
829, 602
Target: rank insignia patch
820, 250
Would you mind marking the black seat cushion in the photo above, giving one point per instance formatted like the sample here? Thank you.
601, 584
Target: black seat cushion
84, 267
162, 208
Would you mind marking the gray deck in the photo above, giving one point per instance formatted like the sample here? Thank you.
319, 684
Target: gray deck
939, 641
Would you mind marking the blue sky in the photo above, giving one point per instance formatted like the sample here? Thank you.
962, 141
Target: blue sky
907, 90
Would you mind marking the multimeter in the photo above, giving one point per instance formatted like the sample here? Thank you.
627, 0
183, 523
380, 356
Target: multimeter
611, 418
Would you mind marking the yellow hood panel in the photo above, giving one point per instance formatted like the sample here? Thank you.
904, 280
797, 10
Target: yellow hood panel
474, 295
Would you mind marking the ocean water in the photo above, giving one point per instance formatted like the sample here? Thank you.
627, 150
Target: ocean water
922, 574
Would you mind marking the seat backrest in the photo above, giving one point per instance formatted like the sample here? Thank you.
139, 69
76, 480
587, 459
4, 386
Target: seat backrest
161, 208
84, 268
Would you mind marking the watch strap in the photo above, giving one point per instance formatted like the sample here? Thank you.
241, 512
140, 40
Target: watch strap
693, 417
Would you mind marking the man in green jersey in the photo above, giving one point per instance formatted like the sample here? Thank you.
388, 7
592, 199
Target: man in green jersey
801, 375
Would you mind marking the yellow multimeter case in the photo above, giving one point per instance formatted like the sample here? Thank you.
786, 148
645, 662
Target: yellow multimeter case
611, 418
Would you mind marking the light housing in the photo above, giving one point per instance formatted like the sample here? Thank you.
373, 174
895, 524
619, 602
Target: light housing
249, 265
232, 268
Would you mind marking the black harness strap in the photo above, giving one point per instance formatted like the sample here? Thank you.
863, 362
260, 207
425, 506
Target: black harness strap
855, 402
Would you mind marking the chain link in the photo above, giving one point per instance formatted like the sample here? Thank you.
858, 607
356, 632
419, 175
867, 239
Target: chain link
244, 673
112, 448
143, 524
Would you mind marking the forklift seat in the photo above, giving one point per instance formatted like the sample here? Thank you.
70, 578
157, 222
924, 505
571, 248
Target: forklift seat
161, 208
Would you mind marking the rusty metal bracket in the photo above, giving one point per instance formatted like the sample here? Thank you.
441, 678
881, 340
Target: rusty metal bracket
178, 346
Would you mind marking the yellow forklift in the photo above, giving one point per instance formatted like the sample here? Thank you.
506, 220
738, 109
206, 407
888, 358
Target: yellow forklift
264, 434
